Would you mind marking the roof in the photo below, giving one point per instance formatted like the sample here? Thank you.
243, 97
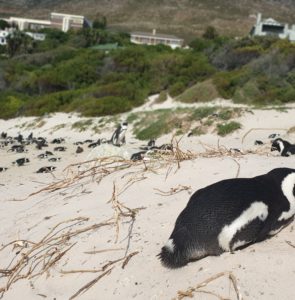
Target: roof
271, 21
66, 15
157, 35
11, 19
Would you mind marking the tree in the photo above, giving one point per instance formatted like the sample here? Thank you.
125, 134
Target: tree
4, 25
210, 33
18, 42
100, 22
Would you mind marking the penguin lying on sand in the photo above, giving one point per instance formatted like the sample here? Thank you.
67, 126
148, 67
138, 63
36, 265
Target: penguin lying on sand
284, 147
54, 159
230, 214
46, 169
79, 149
60, 148
21, 161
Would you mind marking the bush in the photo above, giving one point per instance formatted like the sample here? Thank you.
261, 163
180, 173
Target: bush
200, 92
11, 105
202, 112
210, 33
227, 128
177, 88
163, 96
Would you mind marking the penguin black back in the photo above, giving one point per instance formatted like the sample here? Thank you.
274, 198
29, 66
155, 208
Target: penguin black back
21, 161
230, 214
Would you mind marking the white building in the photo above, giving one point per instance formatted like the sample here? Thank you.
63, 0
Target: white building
65, 22
36, 36
153, 38
271, 27
28, 24
59, 21
5, 33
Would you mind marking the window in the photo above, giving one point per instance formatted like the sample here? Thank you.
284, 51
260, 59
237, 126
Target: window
272, 29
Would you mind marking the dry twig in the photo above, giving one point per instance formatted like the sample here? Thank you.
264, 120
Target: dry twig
173, 191
87, 286
190, 291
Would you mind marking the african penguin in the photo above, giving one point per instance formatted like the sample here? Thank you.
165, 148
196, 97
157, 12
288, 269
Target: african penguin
54, 159
57, 141
230, 214
118, 137
21, 161
79, 149
17, 148
150, 145
42, 155
2, 169
60, 148
46, 169
30, 136
94, 144
284, 147
138, 156
258, 143
167, 147
88, 141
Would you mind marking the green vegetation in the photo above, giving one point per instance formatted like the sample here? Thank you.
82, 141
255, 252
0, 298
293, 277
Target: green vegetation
227, 128
65, 73
151, 125
82, 125
201, 92
163, 96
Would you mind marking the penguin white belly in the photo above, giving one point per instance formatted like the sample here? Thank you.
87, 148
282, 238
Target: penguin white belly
228, 232
287, 189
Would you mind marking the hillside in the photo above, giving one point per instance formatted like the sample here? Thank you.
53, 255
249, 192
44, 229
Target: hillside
185, 17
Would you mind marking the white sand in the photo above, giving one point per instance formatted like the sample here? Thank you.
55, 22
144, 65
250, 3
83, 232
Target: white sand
263, 271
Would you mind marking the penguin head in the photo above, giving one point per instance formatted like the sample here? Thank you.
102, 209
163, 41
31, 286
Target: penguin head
124, 125
278, 145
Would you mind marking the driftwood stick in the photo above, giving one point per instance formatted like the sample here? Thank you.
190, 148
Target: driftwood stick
87, 286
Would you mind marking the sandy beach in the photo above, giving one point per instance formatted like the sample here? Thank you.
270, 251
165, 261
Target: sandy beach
93, 227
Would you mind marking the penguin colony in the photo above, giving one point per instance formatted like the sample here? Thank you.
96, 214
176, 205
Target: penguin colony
221, 217
19, 144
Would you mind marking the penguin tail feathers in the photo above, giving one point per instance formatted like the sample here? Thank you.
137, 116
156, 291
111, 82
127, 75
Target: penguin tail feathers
171, 257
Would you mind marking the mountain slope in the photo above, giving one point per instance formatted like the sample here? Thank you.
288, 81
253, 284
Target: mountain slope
185, 17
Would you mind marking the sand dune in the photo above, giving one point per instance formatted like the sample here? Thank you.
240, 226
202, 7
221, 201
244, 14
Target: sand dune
121, 213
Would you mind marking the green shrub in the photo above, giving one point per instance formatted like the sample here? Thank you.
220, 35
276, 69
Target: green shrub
202, 112
11, 107
82, 125
227, 128
176, 89
131, 118
200, 92
163, 96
